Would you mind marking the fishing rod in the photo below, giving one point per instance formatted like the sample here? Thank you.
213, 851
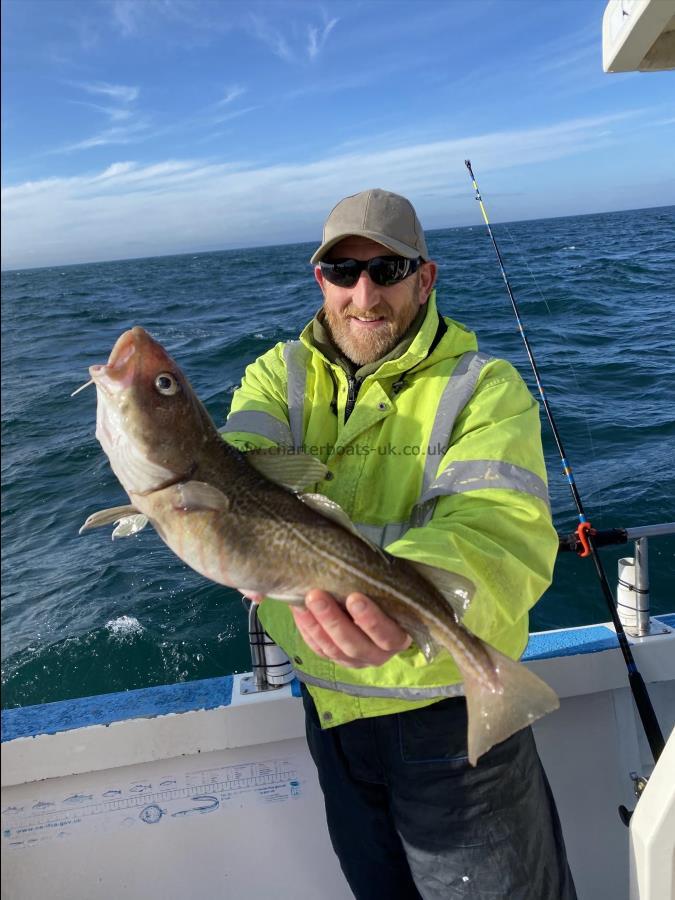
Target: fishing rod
585, 531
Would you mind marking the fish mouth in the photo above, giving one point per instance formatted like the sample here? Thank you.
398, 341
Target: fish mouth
118, 373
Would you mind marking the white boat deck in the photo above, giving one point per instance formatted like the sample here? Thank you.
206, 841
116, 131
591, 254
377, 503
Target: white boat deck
196, 789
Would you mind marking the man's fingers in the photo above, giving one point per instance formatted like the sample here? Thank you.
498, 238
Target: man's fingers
319, 641
383, 631
332, 632
312, 632
342, 631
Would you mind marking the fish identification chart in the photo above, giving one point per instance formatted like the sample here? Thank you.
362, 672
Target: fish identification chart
170, 797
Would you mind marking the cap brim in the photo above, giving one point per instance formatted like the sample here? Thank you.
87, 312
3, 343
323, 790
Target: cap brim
395, 246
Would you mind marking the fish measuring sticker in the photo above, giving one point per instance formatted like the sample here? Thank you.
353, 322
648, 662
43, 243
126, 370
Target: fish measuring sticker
149, 803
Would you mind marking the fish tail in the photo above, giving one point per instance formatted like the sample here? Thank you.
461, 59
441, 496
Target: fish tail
515, 699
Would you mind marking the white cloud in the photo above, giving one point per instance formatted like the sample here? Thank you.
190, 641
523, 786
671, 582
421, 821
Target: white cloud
275, 40
121, 92
114, 113
116, 169
134, 128
231, 93
118, 134
291, 48
218, 119
317, 39
187, 205
135, 17
126, 14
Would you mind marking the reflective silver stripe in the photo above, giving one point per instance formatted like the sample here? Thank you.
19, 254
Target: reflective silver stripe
262, 423
454, 398
456, 394
382, 535
397, 693
478, 474
295, 357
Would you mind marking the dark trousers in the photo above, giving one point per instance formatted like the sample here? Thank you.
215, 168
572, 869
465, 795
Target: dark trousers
409, 818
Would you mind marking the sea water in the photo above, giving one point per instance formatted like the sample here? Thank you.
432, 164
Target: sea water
83, 615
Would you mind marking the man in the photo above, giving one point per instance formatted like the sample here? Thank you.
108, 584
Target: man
435, 453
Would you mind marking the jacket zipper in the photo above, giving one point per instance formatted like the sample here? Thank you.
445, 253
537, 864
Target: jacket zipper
353, 385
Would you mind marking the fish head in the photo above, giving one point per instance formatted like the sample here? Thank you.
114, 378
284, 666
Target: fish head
149, 420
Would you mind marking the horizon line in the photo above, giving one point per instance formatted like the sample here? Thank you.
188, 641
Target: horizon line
231, 249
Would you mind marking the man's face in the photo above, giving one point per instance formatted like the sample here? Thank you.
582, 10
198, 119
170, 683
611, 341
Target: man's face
366, 321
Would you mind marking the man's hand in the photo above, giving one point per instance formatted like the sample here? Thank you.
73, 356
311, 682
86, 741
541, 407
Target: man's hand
360, 636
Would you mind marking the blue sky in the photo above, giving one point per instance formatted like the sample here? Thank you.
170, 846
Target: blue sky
145, 127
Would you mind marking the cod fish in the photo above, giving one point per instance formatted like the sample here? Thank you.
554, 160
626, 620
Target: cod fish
239, 519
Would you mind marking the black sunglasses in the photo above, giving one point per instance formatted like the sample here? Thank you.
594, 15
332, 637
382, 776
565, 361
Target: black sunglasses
383, 270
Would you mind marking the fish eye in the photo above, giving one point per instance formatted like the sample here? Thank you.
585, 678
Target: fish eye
166, 384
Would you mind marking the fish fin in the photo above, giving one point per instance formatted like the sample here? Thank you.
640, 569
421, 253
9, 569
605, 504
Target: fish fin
194, 495
107, 517
294, 471
495, 714
422, 638
455, 588
128, 525
333, 511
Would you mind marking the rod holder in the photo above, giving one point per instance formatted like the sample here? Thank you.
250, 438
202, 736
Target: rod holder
632, 594
270, 666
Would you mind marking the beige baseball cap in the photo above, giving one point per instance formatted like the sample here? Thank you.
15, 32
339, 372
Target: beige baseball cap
379, 215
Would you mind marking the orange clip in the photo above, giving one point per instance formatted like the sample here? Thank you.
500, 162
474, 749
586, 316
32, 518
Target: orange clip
582, 533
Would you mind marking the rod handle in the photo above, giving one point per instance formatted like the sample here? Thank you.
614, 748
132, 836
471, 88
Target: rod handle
647, 715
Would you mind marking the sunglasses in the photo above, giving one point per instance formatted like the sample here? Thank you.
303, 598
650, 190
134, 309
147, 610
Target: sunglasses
383, 270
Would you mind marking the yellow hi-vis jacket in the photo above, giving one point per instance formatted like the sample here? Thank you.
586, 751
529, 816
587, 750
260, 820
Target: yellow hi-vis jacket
440, 461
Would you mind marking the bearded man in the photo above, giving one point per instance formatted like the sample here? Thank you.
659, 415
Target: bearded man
435, 453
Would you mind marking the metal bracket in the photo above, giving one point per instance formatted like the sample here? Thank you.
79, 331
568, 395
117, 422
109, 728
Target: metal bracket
655, 628
247, 685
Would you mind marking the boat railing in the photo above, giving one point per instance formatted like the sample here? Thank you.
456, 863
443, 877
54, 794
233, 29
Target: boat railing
632, 592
